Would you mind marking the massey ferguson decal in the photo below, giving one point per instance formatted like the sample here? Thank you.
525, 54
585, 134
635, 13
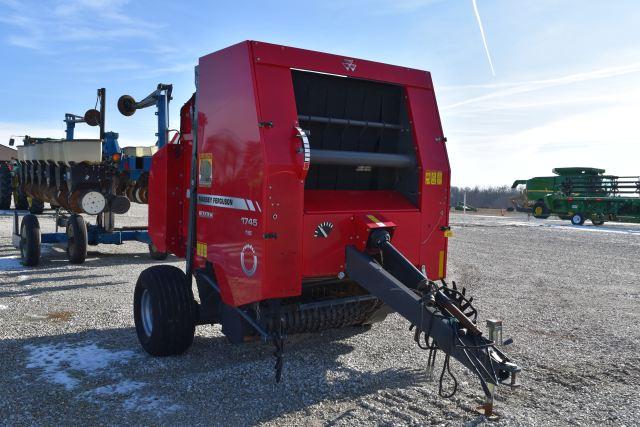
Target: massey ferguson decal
248, 260
349, 64
229, 202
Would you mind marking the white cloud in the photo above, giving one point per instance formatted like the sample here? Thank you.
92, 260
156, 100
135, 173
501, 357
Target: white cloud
507, 130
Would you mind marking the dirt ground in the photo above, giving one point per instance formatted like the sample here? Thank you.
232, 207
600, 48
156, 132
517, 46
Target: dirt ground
569, 297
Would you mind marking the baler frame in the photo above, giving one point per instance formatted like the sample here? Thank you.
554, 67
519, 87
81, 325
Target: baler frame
376, 274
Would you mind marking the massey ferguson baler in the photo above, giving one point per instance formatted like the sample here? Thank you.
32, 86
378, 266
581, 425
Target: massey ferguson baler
307, 191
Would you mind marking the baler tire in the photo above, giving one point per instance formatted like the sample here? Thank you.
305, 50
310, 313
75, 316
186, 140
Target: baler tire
154, 253
164, 311
577, 219
36, 206
30, 241
76, 239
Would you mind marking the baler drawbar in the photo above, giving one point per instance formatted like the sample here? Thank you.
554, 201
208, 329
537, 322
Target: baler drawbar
307, 191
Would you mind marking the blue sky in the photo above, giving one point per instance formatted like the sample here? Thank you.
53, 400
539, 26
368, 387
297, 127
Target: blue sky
566, 89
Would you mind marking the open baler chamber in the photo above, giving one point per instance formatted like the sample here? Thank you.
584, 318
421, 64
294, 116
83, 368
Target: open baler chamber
311, 191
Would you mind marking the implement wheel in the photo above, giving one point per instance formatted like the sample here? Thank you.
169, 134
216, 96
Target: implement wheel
156, 254
20, 199
36, 206
164, 311
540, 210
76, 239
5, 186
577, 219
30, 240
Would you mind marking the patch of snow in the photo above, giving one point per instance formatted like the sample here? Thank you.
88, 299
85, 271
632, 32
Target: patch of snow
123, 387
64, 364
10, 263
150, 403
3, 307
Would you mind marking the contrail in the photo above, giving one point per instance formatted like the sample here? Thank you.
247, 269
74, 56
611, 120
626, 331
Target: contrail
484, 39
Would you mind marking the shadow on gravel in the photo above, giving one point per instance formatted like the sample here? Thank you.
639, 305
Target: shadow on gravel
214, 383
49, 289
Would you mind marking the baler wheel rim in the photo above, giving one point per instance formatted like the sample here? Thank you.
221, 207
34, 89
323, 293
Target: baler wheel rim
146, 312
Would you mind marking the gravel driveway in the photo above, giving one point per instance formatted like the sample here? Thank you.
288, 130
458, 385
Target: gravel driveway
569, 296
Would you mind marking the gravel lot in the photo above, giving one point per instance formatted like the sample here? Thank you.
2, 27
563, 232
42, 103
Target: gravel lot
569, 297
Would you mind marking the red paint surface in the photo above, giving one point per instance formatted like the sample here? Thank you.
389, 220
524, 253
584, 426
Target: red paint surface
249, 83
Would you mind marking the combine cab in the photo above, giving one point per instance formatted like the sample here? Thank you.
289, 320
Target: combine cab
307, 191
578, 194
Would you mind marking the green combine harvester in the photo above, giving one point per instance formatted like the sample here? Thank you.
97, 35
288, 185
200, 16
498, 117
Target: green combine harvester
578, 194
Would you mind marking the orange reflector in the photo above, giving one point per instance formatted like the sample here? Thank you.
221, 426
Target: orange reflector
116, 157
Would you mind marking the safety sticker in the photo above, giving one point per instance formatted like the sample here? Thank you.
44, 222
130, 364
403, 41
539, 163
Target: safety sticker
433, 177
201, 249
205, 169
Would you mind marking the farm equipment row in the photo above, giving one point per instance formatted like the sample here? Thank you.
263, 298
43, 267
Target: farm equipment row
83, 176
578, 194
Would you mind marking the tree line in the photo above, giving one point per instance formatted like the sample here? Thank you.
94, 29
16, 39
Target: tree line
487, 197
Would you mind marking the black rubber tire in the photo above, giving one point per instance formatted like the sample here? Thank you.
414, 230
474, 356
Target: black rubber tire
577, 219
36, 206
172, 307
6, 189
20, 199
155, 254
540, 210
76, 239
597, 221
30, 240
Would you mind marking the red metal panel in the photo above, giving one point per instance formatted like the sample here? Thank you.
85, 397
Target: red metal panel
229, 225
325, 256
436, 173
291, 57
166, 200
284, 182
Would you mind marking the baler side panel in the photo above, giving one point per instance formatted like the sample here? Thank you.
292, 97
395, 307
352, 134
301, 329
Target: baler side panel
166, 194
229, 222
284, 182
436, 175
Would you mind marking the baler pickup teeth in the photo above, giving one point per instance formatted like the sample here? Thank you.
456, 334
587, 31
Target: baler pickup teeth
432, 313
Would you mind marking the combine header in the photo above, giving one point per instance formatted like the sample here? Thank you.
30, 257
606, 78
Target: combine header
307, 191
578, 194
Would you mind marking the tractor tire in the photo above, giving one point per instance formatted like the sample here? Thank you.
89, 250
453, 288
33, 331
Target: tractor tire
76, 239
577, 219
5, 186
540, 210
20, 200
597, 221
164, 311
30, 240
155, 254
36, 206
